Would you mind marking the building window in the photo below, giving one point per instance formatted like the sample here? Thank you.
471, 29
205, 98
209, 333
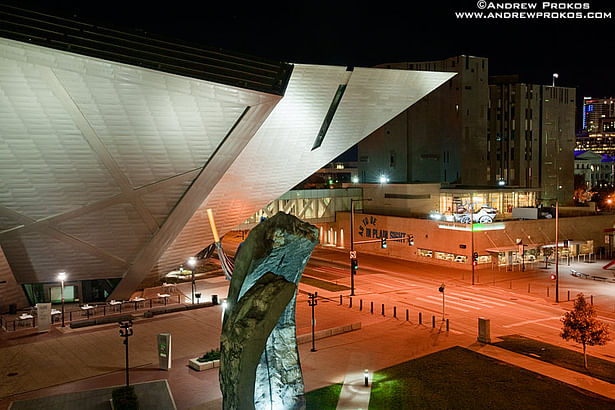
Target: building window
426, 253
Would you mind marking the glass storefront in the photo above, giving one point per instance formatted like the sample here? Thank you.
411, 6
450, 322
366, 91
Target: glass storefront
502, 201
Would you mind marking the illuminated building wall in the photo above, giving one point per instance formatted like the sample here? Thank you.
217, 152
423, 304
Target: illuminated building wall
530, 141
439, 139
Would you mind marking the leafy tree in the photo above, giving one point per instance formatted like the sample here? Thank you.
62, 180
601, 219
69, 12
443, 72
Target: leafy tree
581, 325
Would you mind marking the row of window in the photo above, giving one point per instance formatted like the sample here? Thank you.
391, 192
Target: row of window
446, 256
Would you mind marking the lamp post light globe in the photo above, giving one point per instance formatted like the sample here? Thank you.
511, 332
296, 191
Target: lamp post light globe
62, 278
192, 264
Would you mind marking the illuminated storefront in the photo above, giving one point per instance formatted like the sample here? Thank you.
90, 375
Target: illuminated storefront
503, 200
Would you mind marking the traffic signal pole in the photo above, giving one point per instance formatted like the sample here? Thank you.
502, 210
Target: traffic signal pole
472, 232
351, 246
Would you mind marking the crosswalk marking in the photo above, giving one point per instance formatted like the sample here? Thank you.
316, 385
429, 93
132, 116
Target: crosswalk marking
454, 303
535, 321
440, 303
489, 299
461, 298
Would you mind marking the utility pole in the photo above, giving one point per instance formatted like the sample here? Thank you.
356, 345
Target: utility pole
556, 251
472, 232
351, 246
126, 332
313, 302
441, 289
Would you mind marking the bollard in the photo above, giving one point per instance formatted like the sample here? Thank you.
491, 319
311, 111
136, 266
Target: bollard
383, 309
547, 291
350, 305
568, 296
420, 318
121, 307
394, 311
433, 321
510, 287
528, 288
447, 325
150, 303
340, 299
70, 316
360, 304
371, 309
13, 325
407, 315
104, 310
592, 300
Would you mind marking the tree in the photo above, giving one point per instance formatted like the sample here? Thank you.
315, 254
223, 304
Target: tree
581, 325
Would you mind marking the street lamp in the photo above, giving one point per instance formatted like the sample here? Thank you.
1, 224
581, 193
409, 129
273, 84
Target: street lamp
555, 75
192, 263
62, 278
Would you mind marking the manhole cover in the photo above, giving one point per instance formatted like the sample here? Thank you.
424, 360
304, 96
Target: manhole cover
12, 374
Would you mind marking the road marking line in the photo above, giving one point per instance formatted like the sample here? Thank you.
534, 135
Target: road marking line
454, 303
461, 298
527, 322
440, 303
550, 327
489, 299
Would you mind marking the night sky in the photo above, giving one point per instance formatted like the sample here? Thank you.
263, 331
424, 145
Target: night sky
346, 33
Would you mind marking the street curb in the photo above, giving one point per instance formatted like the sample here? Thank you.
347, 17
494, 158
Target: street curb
321, 334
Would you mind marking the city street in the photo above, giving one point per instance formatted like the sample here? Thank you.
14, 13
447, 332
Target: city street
500, 296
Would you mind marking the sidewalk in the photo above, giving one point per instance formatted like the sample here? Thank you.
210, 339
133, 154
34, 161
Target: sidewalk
555, 372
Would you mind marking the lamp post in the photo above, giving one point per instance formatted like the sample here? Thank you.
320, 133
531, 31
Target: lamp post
126, 332
192, 264
472, 231
62, 278
555, 75
313, 302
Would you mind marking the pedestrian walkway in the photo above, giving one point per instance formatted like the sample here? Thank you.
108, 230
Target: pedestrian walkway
555, 372
355, 395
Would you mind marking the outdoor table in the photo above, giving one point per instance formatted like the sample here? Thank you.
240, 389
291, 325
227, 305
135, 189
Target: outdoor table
87, 309
114, 304
165, 296
137, 300
23, 317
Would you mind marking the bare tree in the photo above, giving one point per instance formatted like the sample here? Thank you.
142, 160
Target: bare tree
581, 325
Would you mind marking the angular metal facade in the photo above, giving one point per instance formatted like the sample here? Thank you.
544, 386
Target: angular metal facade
106, 168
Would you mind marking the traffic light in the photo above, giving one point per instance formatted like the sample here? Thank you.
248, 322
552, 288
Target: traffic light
411, 240
441, 288
383, 243
354, 264
552, 276
475, 258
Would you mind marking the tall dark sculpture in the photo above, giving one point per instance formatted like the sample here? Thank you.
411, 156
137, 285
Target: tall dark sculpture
260, 366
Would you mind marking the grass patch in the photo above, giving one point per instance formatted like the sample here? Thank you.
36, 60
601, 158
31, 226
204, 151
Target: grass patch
323, 284
324, 398
559, 356
459, 378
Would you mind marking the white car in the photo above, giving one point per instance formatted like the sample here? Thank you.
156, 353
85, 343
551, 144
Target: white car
485, 215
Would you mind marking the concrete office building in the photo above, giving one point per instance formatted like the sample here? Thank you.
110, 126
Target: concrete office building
530, 142
471, 133
439, 139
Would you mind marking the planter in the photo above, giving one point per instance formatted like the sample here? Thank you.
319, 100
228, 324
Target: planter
198, 366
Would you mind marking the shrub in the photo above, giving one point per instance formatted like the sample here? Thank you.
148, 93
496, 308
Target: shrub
211, 355
125, 398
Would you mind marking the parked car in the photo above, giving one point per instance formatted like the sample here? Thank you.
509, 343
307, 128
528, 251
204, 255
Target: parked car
485, 215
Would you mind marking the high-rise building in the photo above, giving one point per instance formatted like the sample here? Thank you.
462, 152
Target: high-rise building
480, 131
598, 134
530, 142
439, 139
598, 112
